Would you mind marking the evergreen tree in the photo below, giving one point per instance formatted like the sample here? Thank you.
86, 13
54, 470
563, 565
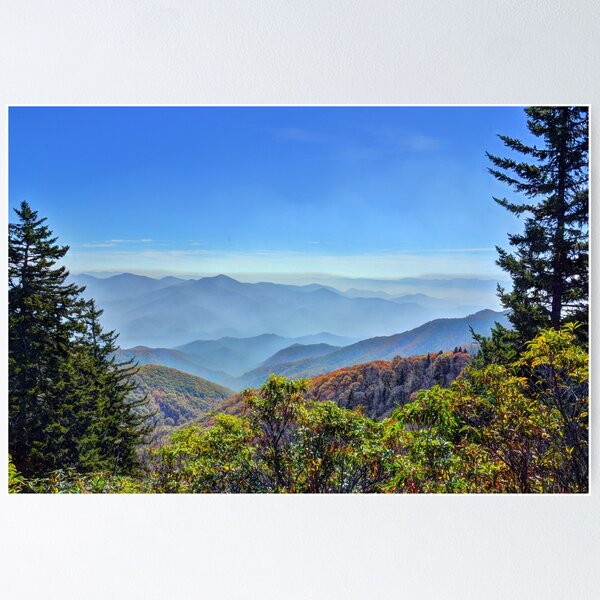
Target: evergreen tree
116, 427
67, 406
549, 267
40, 332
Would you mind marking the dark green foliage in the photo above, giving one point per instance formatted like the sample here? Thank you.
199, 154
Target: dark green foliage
339, 451
512, 428
549, 266
116, 424
501, 347
273, 414
67, 405
16, 481
217, 460
40, 332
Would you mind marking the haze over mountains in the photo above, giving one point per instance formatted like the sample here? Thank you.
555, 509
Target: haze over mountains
225, 357
171, 312
235, 334
310, 359
440, 334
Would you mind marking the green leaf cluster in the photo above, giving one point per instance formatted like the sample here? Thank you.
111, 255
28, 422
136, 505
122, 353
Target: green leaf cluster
518, 428
283, 444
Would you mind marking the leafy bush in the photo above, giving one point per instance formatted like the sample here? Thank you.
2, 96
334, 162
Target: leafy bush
521, 428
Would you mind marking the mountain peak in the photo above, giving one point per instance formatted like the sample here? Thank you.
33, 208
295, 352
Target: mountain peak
128, 276
222, 278
218, 280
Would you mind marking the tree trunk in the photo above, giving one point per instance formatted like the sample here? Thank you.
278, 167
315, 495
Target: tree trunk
559, 235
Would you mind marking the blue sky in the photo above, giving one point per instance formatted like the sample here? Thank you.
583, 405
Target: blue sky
366, 192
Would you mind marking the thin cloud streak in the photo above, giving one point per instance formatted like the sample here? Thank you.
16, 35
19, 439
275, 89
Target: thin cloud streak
370, 144
140, 241
475, 262
298, 134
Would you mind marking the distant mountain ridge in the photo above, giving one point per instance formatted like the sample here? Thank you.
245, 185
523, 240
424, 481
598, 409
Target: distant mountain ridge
436, 335
293, 359
224, 359
298, 352
171, 312
122, 286
234, 355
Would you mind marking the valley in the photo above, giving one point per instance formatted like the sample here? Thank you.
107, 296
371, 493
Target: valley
190, 382
178, 399
240, 363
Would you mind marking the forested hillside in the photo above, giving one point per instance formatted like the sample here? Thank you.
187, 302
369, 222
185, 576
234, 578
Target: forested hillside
223, 359
377, 387
219, 360
380, 387
174, 359
495, 429
174, 397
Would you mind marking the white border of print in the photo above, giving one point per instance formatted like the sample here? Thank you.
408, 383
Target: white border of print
340, 52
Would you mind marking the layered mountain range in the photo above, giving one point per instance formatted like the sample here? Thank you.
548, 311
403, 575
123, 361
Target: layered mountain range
234, 334
171, 312
378, 387
266, 354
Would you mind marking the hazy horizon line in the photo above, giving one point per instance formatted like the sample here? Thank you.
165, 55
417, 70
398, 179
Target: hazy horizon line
265, 276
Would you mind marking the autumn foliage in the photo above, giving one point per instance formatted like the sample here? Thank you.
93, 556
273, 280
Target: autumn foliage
517, 428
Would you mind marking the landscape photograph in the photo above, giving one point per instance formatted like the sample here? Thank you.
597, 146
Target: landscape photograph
298, 299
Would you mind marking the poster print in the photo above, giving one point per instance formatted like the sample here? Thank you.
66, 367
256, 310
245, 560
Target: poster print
298, 299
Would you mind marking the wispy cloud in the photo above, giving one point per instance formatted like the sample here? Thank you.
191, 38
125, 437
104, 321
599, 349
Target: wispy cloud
114, 243
299, 134
452, 262
139, 241
383, 144
442, 250
365, 144
406, 140
420, 143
